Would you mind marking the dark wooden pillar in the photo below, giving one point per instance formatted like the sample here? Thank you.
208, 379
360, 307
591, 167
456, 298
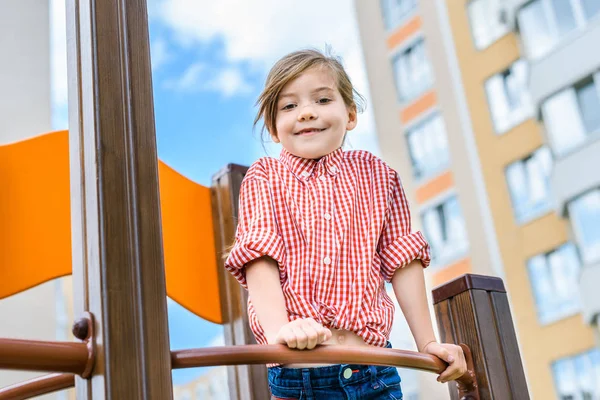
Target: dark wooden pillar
246, 382
474, 310
118, 266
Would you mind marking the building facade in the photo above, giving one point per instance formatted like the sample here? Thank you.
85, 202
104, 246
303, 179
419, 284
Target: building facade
489, 110
25, 111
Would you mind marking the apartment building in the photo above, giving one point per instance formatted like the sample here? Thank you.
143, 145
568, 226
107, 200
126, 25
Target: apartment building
489, 110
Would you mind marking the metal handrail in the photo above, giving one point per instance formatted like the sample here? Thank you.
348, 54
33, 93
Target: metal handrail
33, 355
280, 354
43, 356
37, 386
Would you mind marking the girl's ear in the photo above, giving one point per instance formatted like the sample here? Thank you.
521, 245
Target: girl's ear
274, 137
352, 118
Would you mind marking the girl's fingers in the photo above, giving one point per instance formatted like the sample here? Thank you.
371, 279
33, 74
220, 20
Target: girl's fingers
312, 336
301, 338
323, 333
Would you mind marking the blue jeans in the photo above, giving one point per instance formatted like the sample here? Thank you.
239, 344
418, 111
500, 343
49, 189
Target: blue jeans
335, 382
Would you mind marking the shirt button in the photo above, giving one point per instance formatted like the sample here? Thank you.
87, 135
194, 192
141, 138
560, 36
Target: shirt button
327, 261
327, 216
347, 373
305, 174
334, 170
322, 177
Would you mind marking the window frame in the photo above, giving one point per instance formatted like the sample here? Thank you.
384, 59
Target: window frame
572, 359
418, 40
557, 316
440, 262
581, 22
577, 229
495, 39
418, 125
527, 113
527, 217
399, 21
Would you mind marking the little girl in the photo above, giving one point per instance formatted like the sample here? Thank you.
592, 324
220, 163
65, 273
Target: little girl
320, 231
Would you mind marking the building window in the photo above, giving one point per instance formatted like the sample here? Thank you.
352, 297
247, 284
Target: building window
395, 11
585, 217
591, 8
486, 25
543, 23
428, 147
588, 100
445, 230
509, 97
554, 277
529, 184
578, 377
412, 71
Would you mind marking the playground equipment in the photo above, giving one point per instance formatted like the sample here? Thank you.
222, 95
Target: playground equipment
125, 258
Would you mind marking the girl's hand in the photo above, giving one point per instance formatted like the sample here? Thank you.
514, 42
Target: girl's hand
302, 334
453, 355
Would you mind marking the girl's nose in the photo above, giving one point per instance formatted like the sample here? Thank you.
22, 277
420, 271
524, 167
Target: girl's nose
307, 114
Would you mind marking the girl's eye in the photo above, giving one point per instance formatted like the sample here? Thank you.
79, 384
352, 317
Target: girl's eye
324, 100
288, 106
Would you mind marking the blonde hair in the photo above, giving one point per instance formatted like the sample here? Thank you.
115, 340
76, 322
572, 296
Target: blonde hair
289, 68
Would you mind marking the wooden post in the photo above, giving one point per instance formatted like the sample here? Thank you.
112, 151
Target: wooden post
474, 310
246, 382
118, 268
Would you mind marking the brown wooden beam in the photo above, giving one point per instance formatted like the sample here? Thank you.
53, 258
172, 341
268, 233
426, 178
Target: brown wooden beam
118, 266
246, 382
474, 310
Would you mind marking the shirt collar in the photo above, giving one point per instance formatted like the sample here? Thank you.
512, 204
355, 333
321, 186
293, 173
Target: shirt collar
303, 168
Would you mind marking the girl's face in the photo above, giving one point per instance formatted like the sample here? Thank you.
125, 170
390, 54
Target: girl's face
312, 118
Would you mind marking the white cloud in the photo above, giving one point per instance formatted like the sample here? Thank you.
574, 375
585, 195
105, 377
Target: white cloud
160, 54
229, 81
261, 31
197, 77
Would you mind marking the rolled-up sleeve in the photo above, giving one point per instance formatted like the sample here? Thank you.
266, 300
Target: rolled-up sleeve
398, 245
257, 232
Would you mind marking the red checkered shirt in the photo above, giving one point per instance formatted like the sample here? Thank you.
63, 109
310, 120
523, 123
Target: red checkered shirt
338, 227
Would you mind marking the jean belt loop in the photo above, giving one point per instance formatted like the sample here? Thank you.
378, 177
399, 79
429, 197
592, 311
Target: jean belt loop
373, 373
306, 382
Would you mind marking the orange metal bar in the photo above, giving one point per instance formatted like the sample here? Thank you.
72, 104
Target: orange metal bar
37, 386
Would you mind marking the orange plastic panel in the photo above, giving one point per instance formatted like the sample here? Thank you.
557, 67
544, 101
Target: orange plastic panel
35, 228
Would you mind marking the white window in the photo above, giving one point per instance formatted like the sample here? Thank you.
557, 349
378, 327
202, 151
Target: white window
395, 11
412, 71
486, 25
578, 377
529, 184
554, 277
509, 98
445, 230
584, 213
544, 23
572, 115
428, 147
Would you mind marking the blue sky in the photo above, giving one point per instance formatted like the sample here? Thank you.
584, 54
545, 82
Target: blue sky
209, 62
